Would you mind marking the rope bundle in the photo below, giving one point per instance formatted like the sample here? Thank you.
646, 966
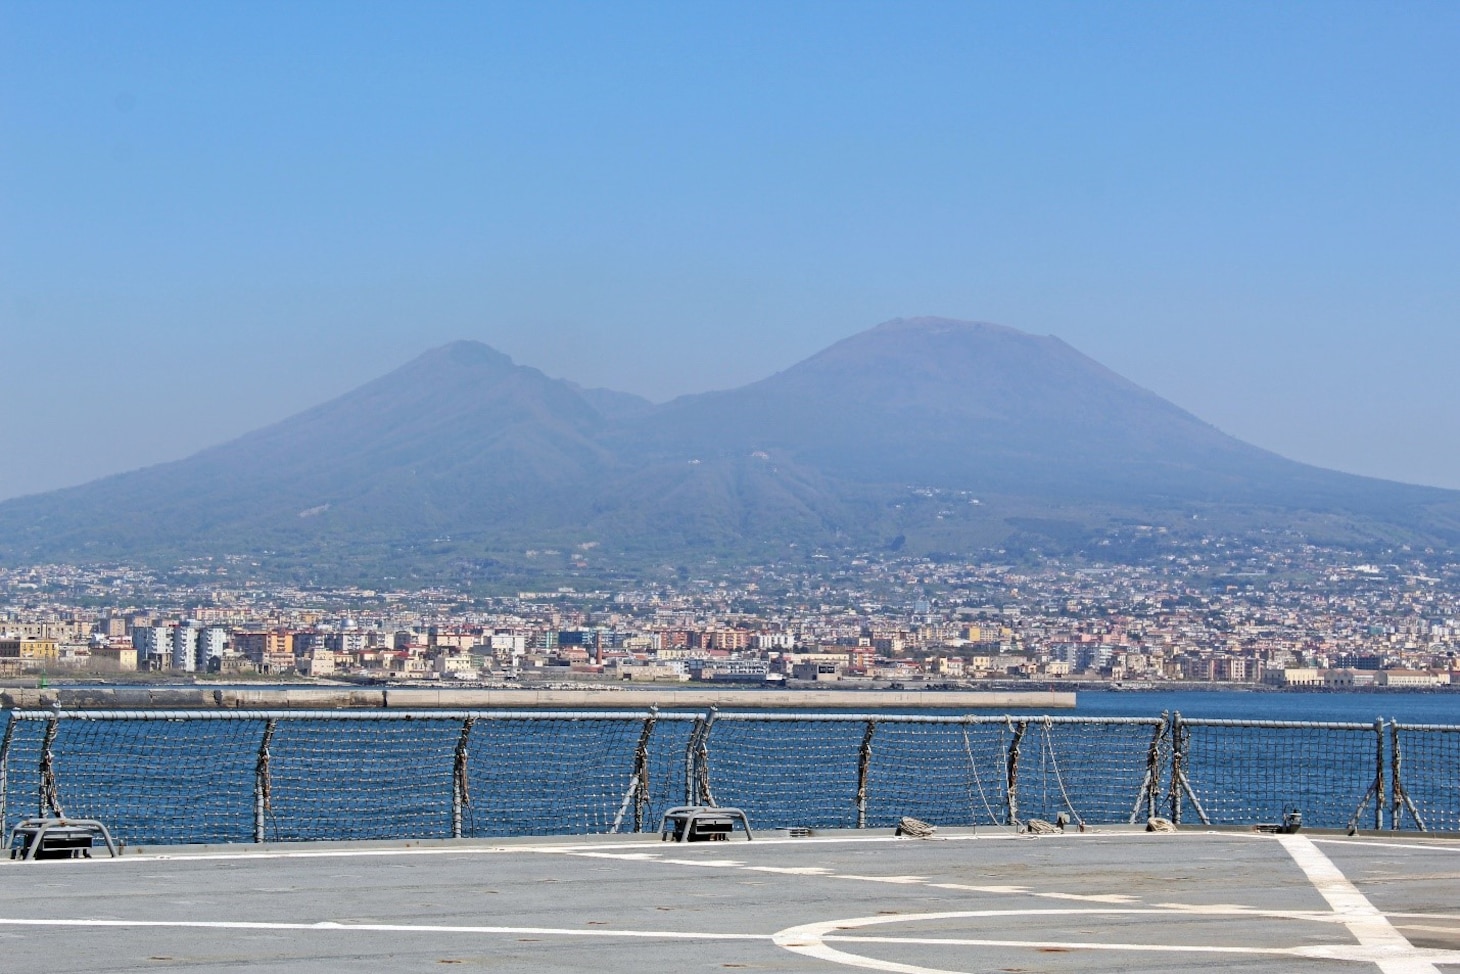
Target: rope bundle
914, 828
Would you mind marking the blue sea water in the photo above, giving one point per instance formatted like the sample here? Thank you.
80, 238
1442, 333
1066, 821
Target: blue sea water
1441, 707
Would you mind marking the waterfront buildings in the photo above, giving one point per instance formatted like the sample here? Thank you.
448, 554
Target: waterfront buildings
1291, 616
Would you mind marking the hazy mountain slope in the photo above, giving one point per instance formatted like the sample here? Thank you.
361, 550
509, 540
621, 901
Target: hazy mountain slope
987, 408
613, 405
925, 433
459, 436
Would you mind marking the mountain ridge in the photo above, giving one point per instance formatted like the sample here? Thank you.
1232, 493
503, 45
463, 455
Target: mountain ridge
462, 443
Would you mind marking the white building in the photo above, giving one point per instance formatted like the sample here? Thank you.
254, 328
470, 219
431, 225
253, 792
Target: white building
508, 644
153, 645
185, 647
1412, 678
349, 641
211, 644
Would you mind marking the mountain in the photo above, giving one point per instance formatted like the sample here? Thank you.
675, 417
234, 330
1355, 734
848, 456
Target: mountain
985, 407
928, 433
460, 435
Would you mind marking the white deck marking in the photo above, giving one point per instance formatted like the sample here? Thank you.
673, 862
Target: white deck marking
815, 939
1370, 927
243, 852
649, 841
1440, 845
330, 925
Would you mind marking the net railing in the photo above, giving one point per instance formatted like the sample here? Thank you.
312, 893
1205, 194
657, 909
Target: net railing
175, 777
222, 777
1425, 776
1244, 772
856, 771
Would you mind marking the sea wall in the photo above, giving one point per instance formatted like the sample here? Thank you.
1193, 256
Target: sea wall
426, 698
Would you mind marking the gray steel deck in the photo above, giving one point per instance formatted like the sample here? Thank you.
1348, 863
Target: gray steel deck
1112, 900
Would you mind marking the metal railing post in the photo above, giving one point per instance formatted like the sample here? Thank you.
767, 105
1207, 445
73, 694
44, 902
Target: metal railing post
262, 785
1150, 792
864, 763
1402, 801
1395, 811
460, 793
641, 769
1179, 737
5, 774
1011, 769
1378, 774
50, 795
704, 796
638, 790
689, 760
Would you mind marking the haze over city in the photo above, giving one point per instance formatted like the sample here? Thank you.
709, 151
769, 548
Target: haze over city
214, 216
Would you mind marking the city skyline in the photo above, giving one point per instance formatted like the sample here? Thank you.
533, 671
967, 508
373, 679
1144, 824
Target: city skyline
1287, 615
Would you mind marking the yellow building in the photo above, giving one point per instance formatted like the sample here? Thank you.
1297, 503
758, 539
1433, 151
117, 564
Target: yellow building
24, 647
117, 657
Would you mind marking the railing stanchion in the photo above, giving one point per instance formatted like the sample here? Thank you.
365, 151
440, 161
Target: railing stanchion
864, 763
641, 769
1395, 810
1179, 737
460, 792
1011, 769
262, 783
1150, 792
1378, 774
703, 794
690, 750
50, 794
5, 774
1402, 801
637, 793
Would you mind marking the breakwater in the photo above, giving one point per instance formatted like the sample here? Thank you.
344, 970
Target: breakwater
419, 698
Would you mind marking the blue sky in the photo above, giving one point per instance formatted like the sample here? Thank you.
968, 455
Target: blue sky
215, 214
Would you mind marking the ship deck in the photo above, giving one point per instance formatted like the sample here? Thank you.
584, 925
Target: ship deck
1106, 900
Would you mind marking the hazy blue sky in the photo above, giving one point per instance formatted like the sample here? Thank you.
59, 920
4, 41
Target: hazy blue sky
215, 214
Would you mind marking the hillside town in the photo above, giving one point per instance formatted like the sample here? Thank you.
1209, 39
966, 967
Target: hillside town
1216, 613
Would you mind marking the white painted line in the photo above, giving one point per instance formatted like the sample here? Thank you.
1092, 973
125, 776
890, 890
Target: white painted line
1371, 928
1059, 945
815, 939
245, 852
329, 925
652, 842
821, 872
810, 940
1438, 845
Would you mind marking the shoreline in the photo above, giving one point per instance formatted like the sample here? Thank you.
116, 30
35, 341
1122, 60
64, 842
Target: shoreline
193, 697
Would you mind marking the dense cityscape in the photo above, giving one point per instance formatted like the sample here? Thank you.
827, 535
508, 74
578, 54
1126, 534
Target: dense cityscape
1214, 611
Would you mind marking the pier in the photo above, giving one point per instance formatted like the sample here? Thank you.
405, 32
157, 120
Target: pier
417, 698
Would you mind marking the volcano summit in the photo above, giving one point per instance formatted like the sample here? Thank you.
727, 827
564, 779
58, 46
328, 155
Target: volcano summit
922, 434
